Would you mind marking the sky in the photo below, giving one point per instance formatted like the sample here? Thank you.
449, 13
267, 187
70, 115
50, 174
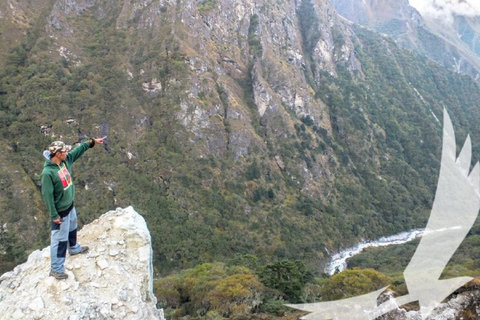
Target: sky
445, 9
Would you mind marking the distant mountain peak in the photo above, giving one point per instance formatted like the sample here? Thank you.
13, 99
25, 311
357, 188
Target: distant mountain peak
447, 11
443, 31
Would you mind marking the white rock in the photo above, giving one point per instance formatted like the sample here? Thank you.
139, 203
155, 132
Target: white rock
123, 295
36, 304
143, 254
133, 308
105, 311
102, 264
18, 314
68, 301
96, 281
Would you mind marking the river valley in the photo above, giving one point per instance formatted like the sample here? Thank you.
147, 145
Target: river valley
339, 260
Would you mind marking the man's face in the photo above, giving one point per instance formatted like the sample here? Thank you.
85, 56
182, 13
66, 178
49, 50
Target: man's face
62, 155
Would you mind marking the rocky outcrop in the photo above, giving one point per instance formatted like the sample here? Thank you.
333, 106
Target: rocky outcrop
114, 280
463, 304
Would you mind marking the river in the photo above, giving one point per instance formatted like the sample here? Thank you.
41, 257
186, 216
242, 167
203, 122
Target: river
339, 260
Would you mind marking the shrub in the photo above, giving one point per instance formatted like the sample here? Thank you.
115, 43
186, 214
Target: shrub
351, 283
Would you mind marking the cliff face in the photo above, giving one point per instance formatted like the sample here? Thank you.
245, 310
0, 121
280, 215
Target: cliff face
228, 81
236, 126
112, 281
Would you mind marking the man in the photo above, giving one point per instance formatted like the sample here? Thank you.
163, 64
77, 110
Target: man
58, 193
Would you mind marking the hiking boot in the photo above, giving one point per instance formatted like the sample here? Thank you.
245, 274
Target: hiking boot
82, 251
58, 275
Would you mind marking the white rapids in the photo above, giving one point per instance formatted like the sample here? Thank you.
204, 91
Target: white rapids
339, 260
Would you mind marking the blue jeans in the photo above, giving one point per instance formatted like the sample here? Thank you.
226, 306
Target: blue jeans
64, 237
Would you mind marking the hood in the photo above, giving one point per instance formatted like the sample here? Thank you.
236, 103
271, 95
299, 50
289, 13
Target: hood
46, 154
48, 162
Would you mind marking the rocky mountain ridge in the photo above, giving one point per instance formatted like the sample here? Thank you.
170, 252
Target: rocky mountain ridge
453, 44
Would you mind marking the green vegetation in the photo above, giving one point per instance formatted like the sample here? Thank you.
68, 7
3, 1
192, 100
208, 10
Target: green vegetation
233, 291
254, 41
236, 291
309, 25
13, 251
205, 6
351, 283
219, 185
288, 277
210, 288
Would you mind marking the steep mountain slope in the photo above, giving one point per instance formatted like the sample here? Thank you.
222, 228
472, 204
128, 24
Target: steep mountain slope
454, 44
273, 129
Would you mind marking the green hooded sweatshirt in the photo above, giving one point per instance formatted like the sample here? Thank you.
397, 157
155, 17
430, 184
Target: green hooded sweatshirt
58, 190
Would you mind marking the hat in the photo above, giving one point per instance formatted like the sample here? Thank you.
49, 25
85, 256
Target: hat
56, 146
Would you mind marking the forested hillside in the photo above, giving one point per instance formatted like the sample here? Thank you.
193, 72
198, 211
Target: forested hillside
269, 130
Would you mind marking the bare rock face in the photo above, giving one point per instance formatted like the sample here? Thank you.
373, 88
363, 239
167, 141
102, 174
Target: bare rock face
463, 304
114, 280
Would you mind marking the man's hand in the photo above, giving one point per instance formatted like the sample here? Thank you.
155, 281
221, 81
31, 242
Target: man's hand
58, 220
100, 140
